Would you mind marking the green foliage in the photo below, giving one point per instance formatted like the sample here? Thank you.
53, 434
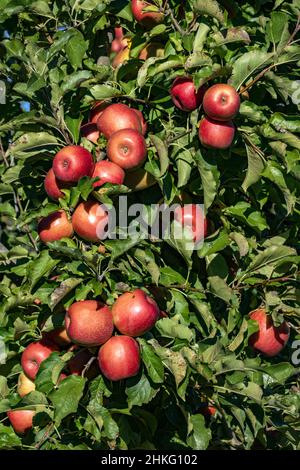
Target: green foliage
55, 56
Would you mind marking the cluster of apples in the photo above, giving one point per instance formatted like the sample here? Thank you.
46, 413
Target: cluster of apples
221, 103
124, 129
90, 324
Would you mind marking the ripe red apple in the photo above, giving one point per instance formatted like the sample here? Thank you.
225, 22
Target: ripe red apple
154, 49
53, 186
21, 420
269, 339
184, 95
54, 227
147, 18
72, 163
135, 312
116, 117
119, 358
58, 336
77, 364
34, 354
108, 172
216, 134
90, 132
89, 323
142, 120
221, 102
96, 110
25, 385
119, 42
90, 220
127, 148
208, 411
192, 216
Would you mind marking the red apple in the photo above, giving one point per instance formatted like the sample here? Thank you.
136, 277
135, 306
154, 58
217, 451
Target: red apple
208, 411
89, 323
96, 110
192, 216
269, 339
58, 336
53, 186
119, 42
146, 18
216, 134
108, 172
127, 148
54, 227
221, 102
119, 358
72, 163
25, 385
184, 95
90, 132
77, 364
34, 354
90, 220
21, 420
121, 57
135, 312
142, 120
116, 117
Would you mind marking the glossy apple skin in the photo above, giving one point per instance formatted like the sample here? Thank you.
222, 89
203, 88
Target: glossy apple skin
108, 172
25, 385
216, 134
72, 163
21, 420
146, 18
54, 227
154, 49
58, 336
89, 323
139, 179
90, 132
34, 354
191, 215
90, 220
269, 339
53, 186
127, 148
221, 102
116, 117
96, 111
119, 358
142, 120
184, 95
77, 364
135, 312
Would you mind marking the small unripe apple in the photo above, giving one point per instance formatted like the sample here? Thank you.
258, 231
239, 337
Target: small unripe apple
90, 132
118, 116
269, 339
216, 134
90, 220
146, 18
96, 110
119, 358
154, 49
184, 95
34, 354
58, 336
192, 216
54, 227
127, 148
135, 312
139, 179
25, 385
89, 323
72, 163
53, 186
142, 120
21, 420
221, 102
108, 172
79, 362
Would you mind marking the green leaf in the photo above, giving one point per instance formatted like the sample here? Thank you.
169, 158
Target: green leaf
171, 328
102, 92
139, 391
173, 360
8, 439
211, 8
210, 176
199, 435
153, 364
256, 165
67, 396
162, 151
40, 267
75, 48
248, 64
